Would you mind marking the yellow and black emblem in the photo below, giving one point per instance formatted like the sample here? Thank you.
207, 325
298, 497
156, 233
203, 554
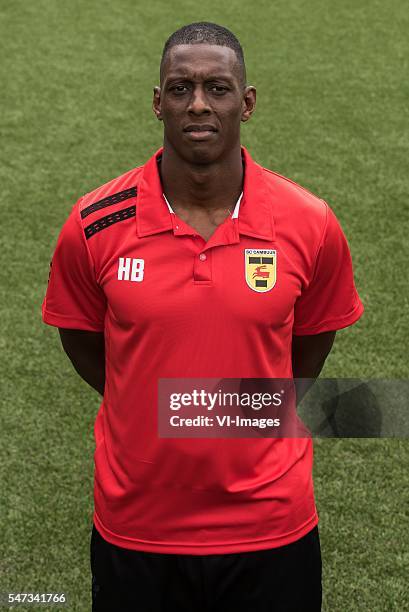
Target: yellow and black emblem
261, 269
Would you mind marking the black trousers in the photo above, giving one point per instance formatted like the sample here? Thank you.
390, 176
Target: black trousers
284, 579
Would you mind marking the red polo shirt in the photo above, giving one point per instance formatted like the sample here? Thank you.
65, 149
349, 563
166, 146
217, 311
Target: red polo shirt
172, 305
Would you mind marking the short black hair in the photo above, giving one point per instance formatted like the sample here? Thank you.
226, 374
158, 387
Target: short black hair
209, 33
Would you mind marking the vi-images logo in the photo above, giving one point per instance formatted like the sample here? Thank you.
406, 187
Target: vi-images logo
131, 269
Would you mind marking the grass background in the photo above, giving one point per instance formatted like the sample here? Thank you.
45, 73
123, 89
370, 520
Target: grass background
76, 111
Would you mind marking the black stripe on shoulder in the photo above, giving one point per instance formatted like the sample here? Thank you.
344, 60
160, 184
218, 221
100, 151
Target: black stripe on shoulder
108, 220
108, 201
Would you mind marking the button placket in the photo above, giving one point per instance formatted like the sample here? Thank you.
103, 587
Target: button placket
202, 267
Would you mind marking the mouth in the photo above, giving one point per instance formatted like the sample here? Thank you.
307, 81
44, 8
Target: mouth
200, 131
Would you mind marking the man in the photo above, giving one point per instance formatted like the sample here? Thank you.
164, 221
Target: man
152, 279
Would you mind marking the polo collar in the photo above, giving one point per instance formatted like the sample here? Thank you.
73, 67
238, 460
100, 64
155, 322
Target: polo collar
255, 215
234, 215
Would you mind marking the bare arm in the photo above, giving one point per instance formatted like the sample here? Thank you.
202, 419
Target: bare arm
86, 350
308, 357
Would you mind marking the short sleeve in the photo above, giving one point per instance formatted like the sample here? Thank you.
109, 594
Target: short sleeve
73, 299
330, 301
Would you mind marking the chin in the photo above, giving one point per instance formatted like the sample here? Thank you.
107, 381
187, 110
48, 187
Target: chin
195, 152
200, 153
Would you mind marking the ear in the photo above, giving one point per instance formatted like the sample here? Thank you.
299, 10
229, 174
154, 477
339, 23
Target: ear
156, 103
249, 102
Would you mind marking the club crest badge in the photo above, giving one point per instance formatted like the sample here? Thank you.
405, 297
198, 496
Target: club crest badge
260, 269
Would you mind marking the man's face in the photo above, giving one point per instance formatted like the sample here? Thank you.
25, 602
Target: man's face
202, 101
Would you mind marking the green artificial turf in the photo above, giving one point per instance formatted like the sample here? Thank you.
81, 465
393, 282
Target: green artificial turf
77, 79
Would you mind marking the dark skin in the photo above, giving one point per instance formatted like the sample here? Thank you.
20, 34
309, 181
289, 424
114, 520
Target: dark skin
202, 178
202, 85
86, 351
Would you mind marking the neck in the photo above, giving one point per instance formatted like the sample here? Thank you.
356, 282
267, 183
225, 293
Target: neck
212, 186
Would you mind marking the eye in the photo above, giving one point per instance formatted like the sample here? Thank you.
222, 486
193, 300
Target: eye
218, 89
178, 89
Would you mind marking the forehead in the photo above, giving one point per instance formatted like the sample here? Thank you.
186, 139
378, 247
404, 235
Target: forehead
198, 61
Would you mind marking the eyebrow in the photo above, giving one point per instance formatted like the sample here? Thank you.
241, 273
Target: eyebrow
211, 77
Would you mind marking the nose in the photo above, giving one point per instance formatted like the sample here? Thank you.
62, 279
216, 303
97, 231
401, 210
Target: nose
198, 103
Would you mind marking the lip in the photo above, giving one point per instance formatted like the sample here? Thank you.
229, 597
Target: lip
199, 127
200, 134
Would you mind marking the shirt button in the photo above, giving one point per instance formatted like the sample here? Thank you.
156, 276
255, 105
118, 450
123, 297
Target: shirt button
202, 257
